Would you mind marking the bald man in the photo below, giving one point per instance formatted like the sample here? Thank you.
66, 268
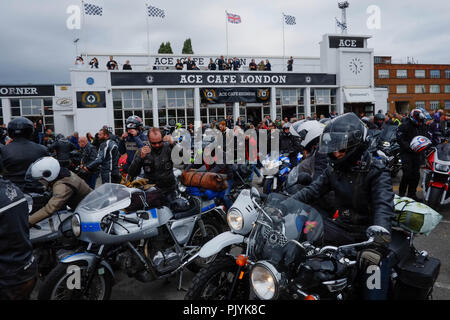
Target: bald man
156, 161
88, 155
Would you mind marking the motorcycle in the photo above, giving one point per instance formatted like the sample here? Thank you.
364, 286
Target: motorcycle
149, 244
256, 232
276, 172
284, 259
387, 147
436, 176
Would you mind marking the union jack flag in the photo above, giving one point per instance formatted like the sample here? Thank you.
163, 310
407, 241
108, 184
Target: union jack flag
234, 18
92, 10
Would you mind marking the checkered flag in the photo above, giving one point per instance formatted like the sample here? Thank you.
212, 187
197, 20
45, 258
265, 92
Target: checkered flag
289, 19
155, 12
92, 10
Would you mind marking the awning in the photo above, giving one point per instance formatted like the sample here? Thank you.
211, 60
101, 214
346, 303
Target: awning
359, 95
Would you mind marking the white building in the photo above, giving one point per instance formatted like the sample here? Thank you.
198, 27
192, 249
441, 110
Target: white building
342, 79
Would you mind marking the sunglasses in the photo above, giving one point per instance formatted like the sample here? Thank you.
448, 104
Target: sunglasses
155, 143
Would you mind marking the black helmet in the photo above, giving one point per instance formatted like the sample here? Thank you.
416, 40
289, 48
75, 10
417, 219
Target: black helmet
60, 136
379, 119
180, 204
134, 122
20, 127
344, 133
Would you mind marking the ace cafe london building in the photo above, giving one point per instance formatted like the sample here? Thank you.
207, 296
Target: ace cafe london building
341, 79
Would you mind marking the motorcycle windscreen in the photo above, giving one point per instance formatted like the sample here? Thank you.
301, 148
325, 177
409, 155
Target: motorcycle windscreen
443, 151
103, 197
301, 221
389, 134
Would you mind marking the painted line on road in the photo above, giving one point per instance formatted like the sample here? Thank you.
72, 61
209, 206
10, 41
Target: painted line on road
442, 285
445, 221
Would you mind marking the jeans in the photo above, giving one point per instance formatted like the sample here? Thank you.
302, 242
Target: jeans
40, 137
226, 199
91, 180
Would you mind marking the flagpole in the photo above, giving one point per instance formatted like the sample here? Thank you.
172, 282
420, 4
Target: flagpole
282, 21
148, 36
226, 27
83, 22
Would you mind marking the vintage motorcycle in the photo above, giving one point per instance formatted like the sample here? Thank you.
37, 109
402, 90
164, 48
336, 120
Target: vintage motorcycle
149, 244
276, 171
284, 259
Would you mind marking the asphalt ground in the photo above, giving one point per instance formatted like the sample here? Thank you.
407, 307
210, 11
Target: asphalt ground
436, 244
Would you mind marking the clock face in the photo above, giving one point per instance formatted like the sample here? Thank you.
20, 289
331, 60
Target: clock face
356, 65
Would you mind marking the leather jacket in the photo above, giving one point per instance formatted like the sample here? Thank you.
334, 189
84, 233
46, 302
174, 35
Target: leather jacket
363, 193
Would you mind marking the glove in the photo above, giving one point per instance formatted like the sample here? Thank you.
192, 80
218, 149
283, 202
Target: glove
139, 183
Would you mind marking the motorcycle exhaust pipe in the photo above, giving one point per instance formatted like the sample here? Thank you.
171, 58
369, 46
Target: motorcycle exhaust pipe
185, 263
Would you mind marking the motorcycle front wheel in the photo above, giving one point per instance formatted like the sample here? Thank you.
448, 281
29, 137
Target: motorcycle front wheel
213, 229
66, 280
215, 282
434, 201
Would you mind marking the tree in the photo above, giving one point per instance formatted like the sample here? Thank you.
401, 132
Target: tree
165, 48
168, 48
187, 47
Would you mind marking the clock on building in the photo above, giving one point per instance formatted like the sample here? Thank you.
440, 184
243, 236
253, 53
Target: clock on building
356, 65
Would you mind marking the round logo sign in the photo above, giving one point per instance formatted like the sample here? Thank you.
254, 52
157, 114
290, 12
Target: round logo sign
90, 81
149, 79
308, 79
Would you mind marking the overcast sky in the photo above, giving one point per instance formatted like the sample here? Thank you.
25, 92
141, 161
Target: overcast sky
36, 46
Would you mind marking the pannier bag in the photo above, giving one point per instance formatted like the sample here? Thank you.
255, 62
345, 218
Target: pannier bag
205, 180
416, 275
415, 216
152, 198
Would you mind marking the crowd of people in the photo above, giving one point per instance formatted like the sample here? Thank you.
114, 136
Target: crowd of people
33, 157
221, 63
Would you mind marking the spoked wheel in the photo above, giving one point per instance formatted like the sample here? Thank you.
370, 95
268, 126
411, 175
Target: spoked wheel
213, 229
215, 282
66, 281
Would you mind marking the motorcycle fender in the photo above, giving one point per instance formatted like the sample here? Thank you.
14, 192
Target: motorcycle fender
439, 185
89, 258
223, 240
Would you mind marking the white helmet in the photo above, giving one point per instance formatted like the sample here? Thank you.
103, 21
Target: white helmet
46, 168
419, 143
308, 131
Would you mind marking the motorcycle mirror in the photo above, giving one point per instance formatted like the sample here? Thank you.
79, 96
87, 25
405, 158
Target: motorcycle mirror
254, 193
377, 232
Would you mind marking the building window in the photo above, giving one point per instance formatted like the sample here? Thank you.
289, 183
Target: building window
383, 74
447, 88
402, 89
127, 103
435, 88
434, 105
420, 104
420, 73
435, 74
177, 106
447, 104
420, 88
1, 112
447, 74
402, 74
289, 98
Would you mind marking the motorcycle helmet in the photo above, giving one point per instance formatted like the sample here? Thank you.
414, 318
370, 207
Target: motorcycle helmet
417, 117
379, 119
20, 127
437, 117
180, 204
366, 120
134, 122
59, 136
309, 132
345, 133
46, 168
419, 143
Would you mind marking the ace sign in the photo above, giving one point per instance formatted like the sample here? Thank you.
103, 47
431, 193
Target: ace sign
346, 42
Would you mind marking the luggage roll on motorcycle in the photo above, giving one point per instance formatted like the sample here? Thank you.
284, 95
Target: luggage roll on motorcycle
148, 244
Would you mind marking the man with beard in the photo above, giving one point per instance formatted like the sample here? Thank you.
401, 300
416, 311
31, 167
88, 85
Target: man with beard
107, 159
157, 162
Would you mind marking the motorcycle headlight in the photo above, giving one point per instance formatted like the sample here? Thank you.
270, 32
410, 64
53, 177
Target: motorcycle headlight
265, 280
76, 225
442, 167
235, 219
